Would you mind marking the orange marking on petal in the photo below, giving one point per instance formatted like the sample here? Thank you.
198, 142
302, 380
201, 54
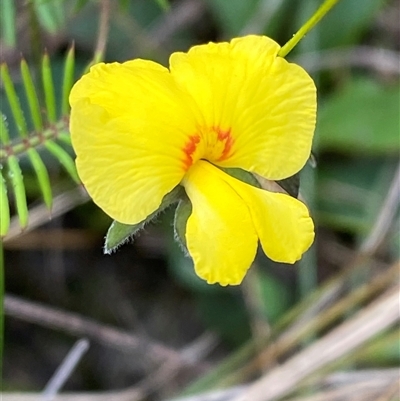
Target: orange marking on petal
224, 136
189, 149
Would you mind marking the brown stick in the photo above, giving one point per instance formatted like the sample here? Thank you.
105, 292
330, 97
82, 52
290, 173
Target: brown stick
75, 324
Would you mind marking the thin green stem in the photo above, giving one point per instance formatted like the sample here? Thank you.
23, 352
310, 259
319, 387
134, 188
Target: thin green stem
316, 17
20, 147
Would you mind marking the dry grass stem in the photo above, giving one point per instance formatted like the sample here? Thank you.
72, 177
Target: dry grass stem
372, 320
64, 371
364, 391
392, 391
83, 327
337, 387
297, 333
251, 293
40, 215
386, 216
194, 352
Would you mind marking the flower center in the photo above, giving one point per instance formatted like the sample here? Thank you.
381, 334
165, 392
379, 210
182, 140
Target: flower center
213, 144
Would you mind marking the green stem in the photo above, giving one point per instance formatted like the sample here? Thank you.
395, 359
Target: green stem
21, 146
317, 16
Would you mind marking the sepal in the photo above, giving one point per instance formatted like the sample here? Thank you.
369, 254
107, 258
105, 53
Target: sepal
182, 213
119, 233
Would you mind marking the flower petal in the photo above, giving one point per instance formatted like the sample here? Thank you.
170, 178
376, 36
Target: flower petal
267, 105
220, 235
283, 223
129, 127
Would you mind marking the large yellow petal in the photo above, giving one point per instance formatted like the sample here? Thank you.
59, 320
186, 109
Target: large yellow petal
265, 104
283, 223
220, 235
130, 128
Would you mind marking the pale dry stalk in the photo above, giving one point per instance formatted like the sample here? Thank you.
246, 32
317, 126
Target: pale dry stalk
372, 320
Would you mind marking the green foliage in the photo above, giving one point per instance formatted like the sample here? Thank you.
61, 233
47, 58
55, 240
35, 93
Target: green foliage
359, 122
346, 22
384, 350
275, 297
7, 21
351, 192
164, 4
180, 264
225, 313
362, 117
48, 128
232, 15
50, 14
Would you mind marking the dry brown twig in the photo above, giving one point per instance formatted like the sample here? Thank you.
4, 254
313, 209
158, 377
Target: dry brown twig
171, 362
83, 327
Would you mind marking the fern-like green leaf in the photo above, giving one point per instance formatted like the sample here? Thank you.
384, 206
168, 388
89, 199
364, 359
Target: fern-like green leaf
32, 96
17, 181
47, 130
68, 79
4, 207
64, 158
37, 163
42, 176
15, 105
48, 87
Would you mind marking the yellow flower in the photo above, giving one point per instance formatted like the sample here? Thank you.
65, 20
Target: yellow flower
140, 129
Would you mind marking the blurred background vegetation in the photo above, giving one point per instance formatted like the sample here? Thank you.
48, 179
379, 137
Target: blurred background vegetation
154, 330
